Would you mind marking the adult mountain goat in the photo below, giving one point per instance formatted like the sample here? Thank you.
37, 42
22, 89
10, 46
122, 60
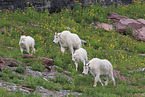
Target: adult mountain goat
26, 42
80, 55
67, 39
99, 67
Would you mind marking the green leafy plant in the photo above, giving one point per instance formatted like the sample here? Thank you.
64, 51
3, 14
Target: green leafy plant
38, 66
20, 69
61, 79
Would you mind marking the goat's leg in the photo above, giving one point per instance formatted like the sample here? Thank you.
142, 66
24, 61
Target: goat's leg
101, 82
71, 49
21, 50
92, 73
111, 76
84, 65
33, 49
27, 48
62, 49
106, 82
96, 80
113, 80
76, 66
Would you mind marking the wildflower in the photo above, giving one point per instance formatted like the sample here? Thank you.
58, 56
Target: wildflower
80, 3
76, 1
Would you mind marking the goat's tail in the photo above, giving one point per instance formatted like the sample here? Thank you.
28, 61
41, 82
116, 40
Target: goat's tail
85, 42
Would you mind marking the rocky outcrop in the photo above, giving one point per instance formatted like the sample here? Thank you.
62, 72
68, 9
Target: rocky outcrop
46, 75
9, 62
14, 63
124, 23
54, 5
12, 4
57, 5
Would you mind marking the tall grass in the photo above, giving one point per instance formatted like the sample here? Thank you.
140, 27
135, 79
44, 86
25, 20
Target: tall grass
101, 44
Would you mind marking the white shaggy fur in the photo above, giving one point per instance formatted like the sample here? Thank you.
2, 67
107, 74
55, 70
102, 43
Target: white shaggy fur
99, 67
80, 55
67, 39
26, 42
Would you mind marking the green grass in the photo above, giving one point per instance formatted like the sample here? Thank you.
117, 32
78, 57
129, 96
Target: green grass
101, 44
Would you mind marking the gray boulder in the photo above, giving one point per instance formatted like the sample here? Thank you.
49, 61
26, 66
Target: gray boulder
57, 5
12, 4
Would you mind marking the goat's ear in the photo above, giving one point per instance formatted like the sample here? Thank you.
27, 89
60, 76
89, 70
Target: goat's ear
74, 55
59, 34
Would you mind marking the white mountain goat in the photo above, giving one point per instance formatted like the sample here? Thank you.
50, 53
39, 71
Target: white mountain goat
80, 55
26, 42
67, 39
99, 67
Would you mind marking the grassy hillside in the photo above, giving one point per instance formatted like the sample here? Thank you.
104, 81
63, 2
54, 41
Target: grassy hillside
101, 44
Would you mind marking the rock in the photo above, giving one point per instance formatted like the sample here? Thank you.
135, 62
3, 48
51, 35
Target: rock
12, 4
141, 21
123, 23
46, 61
117, 51
0, 84
24, 91
2, 62
140, 33
32, 72
2, 30
9, 61
51, 77
57, 5
13, 68
29, 89
140, 69
117, 75
62, 93
46, 75
45, 79
114, 17
141, 54
106, 27
34, 24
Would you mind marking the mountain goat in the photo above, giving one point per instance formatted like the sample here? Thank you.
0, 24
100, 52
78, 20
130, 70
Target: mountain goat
26, 42
80, 55
67, 39
99, 67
